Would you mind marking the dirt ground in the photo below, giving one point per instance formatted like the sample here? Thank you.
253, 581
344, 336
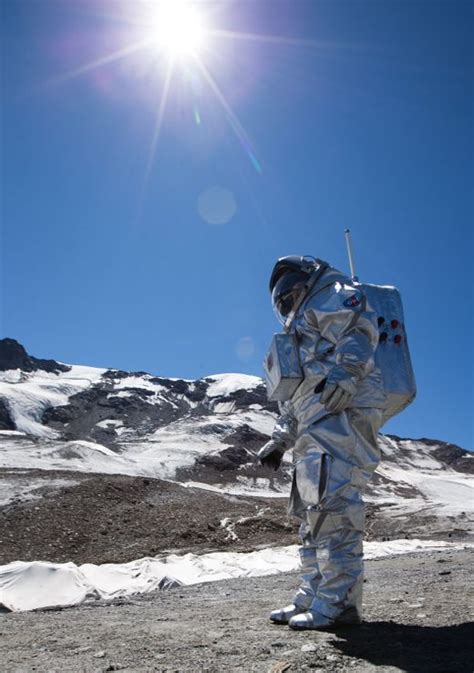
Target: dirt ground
115, 518
416, 620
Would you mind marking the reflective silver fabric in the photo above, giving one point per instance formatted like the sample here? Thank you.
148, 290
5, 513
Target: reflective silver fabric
334, 454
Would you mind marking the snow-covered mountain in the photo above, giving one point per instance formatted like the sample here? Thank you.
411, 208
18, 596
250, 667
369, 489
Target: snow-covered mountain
82, 420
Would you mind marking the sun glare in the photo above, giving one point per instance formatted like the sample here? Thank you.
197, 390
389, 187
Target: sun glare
176, 28
167, 36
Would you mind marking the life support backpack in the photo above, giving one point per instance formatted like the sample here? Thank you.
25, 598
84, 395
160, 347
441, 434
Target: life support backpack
392, 355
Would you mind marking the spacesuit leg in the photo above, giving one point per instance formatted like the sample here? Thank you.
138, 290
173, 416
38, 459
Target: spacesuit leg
337, 536
335, 458
310, 575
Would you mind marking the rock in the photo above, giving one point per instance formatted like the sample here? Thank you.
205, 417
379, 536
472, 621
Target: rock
309, 647
6, 422
14, 356
280, 667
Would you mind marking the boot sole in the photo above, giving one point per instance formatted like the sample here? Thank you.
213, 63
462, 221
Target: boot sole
330, 627
283, 622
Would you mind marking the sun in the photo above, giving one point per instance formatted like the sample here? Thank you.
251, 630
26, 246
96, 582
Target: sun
176, 28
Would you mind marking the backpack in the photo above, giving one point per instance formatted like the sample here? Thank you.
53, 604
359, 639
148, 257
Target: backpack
392, 355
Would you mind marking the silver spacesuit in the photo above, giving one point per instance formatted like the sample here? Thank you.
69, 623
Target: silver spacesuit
331, 422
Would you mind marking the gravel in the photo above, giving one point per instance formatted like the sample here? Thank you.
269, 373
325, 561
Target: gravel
115, 519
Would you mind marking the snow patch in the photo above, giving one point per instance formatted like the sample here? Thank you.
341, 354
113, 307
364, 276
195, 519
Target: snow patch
226, 384
224, 407
447, 493
142, 382
259, 487
12, 433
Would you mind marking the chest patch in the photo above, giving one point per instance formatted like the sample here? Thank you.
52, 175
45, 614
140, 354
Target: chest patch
354, 300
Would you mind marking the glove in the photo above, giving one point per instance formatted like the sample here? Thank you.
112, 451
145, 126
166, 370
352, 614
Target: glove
338, 391
335, 398
271, 455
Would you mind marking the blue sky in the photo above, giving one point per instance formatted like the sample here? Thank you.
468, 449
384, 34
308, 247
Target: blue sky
121, 252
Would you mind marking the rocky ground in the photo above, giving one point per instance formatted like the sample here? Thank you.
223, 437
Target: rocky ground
115, 518
416, 620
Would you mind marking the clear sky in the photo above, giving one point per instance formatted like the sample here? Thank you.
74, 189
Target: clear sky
147, 193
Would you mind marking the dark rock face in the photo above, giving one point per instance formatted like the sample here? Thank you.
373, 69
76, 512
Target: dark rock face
447, 454
139, 411
239, 458
247, 436
227, 459
6, 422
457, 458
14, 356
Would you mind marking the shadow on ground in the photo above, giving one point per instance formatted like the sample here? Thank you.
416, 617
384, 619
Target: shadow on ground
415, 649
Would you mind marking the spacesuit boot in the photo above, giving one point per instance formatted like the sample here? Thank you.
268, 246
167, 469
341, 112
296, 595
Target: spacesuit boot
318, 622
283, 615
306, 594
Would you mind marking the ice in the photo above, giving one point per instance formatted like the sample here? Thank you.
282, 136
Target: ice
37, 584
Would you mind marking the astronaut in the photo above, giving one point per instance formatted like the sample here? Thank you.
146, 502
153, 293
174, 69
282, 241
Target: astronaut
331, 423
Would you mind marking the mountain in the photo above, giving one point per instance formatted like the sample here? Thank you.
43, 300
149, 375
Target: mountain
102, 464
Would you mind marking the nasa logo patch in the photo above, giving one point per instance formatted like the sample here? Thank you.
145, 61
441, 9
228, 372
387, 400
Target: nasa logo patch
354, 300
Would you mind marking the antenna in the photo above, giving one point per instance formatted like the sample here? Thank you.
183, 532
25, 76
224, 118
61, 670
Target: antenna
347, 233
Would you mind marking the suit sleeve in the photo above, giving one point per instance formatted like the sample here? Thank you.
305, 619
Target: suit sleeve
284, 432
